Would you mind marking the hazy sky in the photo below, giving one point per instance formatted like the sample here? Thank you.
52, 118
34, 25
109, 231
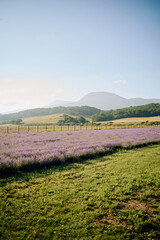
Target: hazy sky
63, 49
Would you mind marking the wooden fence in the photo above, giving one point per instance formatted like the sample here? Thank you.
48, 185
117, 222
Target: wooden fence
47, 128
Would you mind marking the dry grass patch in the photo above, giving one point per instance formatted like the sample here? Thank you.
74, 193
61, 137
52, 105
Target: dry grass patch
108, 218
135, 204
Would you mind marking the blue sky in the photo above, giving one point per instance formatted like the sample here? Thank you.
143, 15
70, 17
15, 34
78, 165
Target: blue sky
64, 49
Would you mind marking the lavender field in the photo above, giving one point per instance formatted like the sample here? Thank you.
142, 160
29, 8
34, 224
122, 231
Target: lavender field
24, 151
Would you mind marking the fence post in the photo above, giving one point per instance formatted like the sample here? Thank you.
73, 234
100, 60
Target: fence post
37, 129
18, 128
7, 130
28, 129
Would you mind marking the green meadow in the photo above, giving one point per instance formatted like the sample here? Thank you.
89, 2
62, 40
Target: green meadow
112, 197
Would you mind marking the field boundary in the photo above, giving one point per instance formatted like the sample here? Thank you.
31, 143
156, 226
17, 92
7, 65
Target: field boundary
52, 128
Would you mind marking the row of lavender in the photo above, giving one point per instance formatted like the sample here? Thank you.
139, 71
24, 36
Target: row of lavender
20, 151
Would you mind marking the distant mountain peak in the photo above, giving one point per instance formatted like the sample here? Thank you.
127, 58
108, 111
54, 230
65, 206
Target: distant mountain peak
107, 100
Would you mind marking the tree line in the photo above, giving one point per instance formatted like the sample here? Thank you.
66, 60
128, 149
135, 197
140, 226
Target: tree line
16, 122
68, 120
147, 110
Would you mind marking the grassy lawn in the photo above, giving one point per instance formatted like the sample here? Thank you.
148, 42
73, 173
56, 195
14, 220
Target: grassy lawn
113, 197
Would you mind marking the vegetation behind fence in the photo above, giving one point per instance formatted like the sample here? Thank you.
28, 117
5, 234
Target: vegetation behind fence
43, 128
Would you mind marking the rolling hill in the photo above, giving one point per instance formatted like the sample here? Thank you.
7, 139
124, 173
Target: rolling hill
147, 110
83, 111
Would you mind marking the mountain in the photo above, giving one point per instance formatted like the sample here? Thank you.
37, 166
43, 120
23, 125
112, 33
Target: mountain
142, 101
101, 100
107, 101
90, 104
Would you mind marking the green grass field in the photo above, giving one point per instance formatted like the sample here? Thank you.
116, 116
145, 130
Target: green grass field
113, 197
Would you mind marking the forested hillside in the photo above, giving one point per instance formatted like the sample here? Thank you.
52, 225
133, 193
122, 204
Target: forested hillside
83, 111
148, 110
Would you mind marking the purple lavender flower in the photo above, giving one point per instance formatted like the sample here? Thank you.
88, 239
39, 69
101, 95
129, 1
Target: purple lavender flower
20, 149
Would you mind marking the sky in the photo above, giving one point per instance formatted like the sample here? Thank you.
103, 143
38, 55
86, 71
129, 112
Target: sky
63, 49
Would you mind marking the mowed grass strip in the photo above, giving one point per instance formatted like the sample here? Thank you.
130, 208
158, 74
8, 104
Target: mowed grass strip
113, 197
